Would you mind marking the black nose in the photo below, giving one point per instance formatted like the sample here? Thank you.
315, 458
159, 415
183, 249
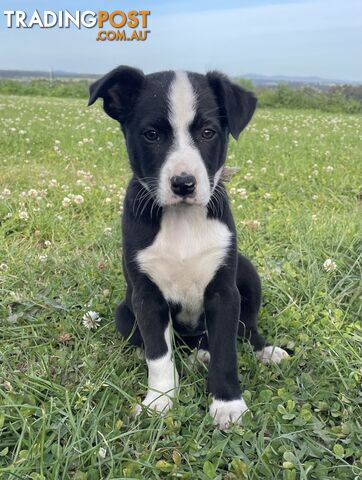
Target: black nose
183, 184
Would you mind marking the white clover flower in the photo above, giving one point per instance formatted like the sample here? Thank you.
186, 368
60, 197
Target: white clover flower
329, 169
85, 174
329, 265
107, 230
66, 202
108, 200
242, 192
267, 196
3, 267
248, 177
263, 169
43, 257
23, 214
102, 452
91, 320
251, 224
78, 199
6, 192
47, 243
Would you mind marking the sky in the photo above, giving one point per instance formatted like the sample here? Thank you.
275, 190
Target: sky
272, 37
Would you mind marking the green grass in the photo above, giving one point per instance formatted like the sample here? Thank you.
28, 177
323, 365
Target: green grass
66, 393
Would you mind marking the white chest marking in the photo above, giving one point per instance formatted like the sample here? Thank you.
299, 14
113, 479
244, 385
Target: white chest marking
184, 257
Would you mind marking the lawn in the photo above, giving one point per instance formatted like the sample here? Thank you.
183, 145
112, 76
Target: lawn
67, 392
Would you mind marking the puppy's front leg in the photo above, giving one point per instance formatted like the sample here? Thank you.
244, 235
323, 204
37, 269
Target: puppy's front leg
153, 318
222, 316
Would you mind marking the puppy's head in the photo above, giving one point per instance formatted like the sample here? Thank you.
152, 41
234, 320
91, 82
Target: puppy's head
176, 126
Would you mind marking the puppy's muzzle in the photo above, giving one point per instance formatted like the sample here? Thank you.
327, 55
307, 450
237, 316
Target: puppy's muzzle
183, 185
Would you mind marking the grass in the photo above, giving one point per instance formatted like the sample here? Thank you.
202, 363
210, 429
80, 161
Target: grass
66, 393
337, 99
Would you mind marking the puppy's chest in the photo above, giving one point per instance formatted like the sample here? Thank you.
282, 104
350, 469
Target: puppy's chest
184, 257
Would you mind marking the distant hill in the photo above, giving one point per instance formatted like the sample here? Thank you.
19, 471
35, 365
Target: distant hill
257, 79
60, 74
272, 80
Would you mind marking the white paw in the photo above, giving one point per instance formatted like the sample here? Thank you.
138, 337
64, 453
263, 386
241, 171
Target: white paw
201, 355
225, 413
272, 354
154, 402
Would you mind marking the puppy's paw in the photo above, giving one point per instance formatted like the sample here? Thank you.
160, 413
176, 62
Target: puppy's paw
271, 354
154, 402
201, 355
225, 413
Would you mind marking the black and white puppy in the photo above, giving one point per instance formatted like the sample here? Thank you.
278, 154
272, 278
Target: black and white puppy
180, 257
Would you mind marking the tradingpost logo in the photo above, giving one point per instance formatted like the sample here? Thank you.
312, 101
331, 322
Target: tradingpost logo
117, 25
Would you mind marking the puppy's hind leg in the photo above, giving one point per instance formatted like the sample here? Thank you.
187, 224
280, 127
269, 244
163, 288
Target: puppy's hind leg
127, 325
249, 286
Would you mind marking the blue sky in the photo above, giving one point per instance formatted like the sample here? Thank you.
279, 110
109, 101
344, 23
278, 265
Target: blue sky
272, 37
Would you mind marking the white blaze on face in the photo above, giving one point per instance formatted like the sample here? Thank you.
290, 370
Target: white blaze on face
183, 157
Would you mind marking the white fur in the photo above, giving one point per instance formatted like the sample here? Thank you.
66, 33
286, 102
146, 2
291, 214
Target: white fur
184, 257
183, 155
271, 354
200, 355
203, 356
225, 413
163, 381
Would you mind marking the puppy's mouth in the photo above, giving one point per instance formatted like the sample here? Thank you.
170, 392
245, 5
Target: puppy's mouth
185, 200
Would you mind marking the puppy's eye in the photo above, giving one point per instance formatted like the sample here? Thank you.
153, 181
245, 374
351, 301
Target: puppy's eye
208, 133
151, 135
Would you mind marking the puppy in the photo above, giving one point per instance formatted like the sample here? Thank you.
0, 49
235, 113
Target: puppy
180, 258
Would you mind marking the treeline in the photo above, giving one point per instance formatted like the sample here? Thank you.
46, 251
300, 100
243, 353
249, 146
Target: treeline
46, 88
338, 98
344, 98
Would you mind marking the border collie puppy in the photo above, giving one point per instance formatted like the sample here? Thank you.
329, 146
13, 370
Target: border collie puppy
180, 258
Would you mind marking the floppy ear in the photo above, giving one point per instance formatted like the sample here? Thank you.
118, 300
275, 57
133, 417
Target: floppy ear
238, 104
119, 90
